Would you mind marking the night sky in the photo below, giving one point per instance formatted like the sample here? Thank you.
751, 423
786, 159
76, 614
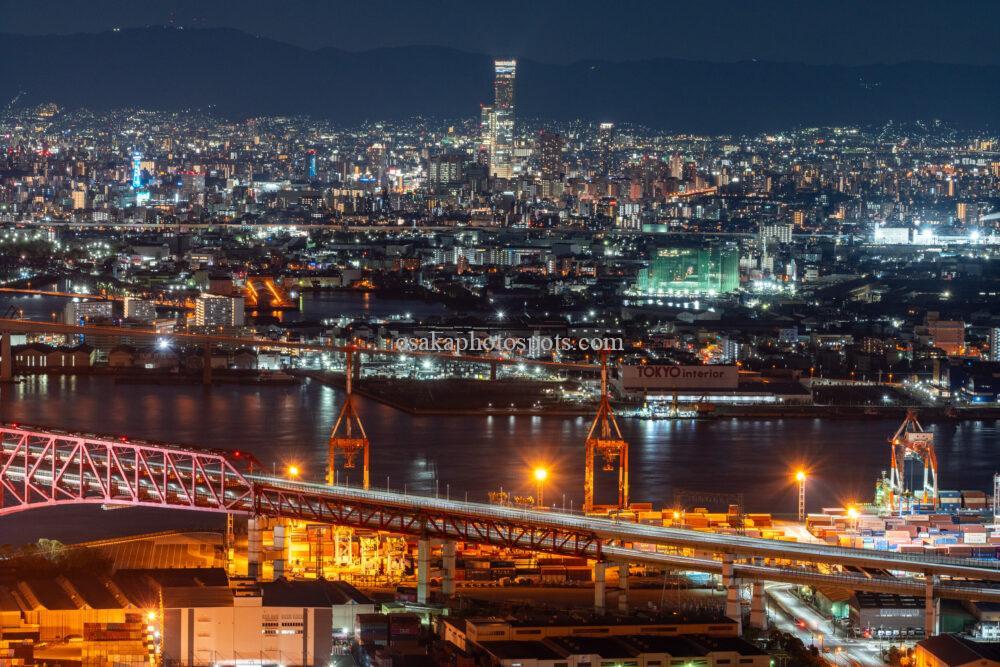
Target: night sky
561, 31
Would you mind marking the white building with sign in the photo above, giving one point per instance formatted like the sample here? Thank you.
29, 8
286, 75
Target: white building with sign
714, 383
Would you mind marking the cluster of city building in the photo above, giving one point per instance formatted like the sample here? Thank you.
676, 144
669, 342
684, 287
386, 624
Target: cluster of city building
174, 598
853, 253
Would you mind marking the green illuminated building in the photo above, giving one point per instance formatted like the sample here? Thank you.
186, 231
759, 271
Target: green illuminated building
707, 270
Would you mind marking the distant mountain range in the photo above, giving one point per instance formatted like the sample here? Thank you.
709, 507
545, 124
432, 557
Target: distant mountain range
240, 75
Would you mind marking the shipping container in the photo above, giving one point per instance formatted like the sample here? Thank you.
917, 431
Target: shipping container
477, 564
404, 625
478, 574
372, 629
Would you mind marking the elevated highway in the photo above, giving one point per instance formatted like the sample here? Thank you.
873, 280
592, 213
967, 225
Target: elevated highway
44, 467
296, 497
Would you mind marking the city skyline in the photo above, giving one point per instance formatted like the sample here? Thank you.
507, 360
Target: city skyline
418, 356
682, 95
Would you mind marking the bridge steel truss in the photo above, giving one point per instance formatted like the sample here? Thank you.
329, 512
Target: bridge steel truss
43, 468
40, 468
290, 502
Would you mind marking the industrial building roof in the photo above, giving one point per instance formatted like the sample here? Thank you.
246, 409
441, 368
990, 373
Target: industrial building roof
152, 554
7, 601
94, 592
50, 594
625, 647
606, 647
197, 596
673, 646
956, 650
731, 644
512, 650
559, 618
320, 593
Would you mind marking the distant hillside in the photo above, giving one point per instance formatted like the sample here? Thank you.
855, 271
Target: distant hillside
242, 75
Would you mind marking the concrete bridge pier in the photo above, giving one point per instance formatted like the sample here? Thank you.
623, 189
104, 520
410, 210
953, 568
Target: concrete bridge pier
758, 608
6, 358
448, 565
255, 547
600, 586
279, 549
423, 569
229, 544
932, 607
623, 596
733, 608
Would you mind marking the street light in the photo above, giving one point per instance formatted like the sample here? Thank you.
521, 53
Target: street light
541, 474
853, 514
293, 471
800, 477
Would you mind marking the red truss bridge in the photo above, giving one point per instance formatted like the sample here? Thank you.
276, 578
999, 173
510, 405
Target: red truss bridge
45, 468
41, 468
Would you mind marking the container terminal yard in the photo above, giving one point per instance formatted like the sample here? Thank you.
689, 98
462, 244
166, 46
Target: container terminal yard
914, 559
464, 334
895, 568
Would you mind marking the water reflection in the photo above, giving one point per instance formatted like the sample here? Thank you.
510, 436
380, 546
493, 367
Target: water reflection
477, 454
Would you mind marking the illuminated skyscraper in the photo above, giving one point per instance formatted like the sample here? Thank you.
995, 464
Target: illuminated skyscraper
502, 149
486, 131
83, 312
212, 310
136, 170
549, 147
605, 143
676, 166
311, 164
79, 195
445, 169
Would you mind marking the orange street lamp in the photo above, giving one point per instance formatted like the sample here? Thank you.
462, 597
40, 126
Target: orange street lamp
853, 514
800, 477
540, 474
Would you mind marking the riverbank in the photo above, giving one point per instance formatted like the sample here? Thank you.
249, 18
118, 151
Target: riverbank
478, 453
856, 413
461, 396
508, 397
218, 377
169, 377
